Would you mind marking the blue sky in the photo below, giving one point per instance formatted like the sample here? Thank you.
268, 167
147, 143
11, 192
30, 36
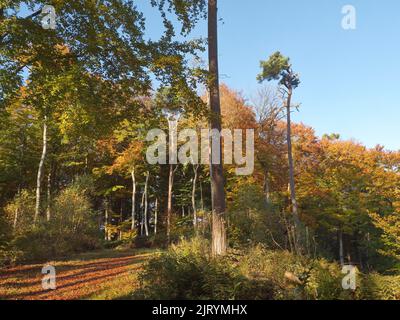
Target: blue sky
350, 79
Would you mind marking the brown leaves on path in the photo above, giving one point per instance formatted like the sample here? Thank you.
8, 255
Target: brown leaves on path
108, 274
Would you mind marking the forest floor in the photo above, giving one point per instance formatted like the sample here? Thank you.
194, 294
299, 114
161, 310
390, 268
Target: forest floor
105, 274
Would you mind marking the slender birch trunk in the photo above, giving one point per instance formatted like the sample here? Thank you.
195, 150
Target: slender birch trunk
48, 209
145, 205
133, 198
40, 171
155, 216
106, 220
120, 220
169, 205
15, 218
266, 187
142, 214
195, 169
341, 255
201, 196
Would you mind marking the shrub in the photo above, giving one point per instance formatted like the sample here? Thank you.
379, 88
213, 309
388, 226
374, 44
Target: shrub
187, 271
380, 287
252, 220
20, 212
317, 279
72, 228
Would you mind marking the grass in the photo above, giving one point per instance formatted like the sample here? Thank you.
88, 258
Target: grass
105, 275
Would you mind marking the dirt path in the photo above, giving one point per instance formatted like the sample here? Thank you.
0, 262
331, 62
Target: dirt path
98, 275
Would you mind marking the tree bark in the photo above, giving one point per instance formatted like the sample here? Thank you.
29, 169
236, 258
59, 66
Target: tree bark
155, 216
16, 218
169, 205
48, 209
40, 171
195, 169
142, 214
201, 196
341, 255
133, 198
266, 187
120, 220
146, 227
217, 176
106, 237
296, 220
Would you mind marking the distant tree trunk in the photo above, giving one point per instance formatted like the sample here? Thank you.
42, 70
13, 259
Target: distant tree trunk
169, 206
296, 220
142, 214
155, 216
266, 187
145, 205
341, 255
183, 211
40, 171
48, 209
133, 198
106, 236
307, 240
120, 221
217, 177
201, 196
16, 213
16, 218
195, 170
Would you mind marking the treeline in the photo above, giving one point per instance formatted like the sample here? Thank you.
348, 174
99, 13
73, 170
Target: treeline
102, 187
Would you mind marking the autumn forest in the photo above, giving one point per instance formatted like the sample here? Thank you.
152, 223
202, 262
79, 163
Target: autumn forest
317, 217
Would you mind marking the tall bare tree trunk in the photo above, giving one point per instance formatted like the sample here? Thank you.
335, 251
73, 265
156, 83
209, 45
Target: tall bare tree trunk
266, 187
142, 214
146, 228
296, 220
195, 170
218, 245
120, 220
40, 171
106, 236
15, 218
169, 205
201, 196
133, 198
155, 216
341, 255
48, 209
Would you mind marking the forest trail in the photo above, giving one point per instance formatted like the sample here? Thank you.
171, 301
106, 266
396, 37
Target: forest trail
106, 274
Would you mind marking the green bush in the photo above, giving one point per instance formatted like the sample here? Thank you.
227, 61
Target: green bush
318, 278
19, 212
252, 221
187, 271
72, 227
